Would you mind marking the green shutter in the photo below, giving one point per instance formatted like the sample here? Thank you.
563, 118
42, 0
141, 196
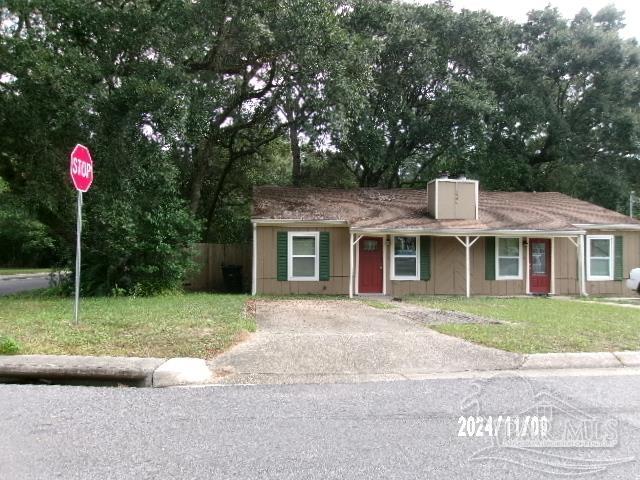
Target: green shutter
618, 269
325, 256
425, 258
282, 256
490, 258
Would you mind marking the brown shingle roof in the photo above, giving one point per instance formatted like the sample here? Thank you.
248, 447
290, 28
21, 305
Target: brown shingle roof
407, 209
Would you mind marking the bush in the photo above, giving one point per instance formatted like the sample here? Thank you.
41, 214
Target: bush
8, 346
24, 241
138, 231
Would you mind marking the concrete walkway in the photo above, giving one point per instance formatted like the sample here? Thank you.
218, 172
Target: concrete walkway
332, 341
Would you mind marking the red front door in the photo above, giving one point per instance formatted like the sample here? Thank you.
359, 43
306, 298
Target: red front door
370, 265
540, 265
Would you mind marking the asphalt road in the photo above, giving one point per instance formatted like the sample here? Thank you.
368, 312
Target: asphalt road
22, 284
386, 430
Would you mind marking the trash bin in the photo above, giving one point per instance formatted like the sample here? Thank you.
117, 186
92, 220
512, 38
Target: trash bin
232, 277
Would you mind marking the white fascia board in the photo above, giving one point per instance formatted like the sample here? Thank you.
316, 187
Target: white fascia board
297, 223
611, 226
479, 233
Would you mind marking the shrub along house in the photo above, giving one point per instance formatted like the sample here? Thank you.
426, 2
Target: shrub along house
449, 238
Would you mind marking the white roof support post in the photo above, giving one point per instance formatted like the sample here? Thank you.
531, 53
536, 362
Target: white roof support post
351, 246
553, 265
254, 262
467, 264
581, 269
467, 243
527, 267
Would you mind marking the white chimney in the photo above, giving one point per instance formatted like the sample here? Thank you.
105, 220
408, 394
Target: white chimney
453, 199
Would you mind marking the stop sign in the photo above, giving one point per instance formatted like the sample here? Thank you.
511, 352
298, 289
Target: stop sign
81, 168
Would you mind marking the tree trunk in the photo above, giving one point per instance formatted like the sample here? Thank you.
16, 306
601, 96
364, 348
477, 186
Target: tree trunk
218, 193
296, 163
294, 142
200, 167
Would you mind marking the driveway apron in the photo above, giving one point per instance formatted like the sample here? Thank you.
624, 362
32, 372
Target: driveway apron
314, 341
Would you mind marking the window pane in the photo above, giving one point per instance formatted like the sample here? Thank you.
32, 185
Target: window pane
600, 267
370, 245
508, 267
405, 267
508, 247
304, 245
405, 245
599, 247
539, 258
303, 267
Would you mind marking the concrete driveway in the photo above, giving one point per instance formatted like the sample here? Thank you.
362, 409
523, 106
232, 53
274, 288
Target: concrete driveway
310, 341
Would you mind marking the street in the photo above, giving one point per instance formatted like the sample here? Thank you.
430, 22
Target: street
23, 284
399, 429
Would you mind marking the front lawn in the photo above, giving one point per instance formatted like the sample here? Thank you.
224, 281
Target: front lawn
190, 325
539, 325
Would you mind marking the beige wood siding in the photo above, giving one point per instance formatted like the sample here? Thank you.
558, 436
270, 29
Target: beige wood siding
338, 283
448, 273
565, 259
447, 268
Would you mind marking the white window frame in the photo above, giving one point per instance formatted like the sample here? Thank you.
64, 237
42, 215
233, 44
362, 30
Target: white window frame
600, 278
393, 258
497, 260
290, 256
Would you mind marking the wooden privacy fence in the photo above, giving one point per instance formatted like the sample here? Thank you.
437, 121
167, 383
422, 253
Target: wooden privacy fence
210, 259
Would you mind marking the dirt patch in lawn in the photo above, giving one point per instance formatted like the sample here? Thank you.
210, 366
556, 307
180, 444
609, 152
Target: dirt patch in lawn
442, 317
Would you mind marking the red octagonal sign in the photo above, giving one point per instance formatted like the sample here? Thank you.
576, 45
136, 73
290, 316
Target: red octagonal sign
81, 168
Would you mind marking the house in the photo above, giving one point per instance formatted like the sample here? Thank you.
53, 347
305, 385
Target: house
450, 238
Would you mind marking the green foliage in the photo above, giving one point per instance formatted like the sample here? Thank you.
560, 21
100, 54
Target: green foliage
89, 73
567, 116
188, 105
138, 232
8, 346
424, 101
24, 241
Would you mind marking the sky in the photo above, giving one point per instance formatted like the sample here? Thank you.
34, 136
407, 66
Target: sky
517, 9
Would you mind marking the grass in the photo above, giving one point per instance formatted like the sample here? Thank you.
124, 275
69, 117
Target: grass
377, 303
194, 325
540, 325
16, 271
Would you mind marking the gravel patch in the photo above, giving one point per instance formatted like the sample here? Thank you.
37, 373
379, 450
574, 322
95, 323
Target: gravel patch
442, 317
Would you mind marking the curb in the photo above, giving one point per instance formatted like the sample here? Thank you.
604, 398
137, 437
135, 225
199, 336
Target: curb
184, 371
136, 371
543, 361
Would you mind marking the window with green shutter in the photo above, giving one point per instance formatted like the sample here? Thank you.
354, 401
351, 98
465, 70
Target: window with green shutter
425, 258
490, 258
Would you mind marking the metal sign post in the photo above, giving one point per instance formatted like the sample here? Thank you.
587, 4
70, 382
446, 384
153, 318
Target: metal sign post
76, 307
81, 170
